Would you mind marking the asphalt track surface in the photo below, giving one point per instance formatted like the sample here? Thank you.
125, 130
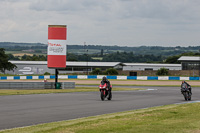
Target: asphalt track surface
26, 110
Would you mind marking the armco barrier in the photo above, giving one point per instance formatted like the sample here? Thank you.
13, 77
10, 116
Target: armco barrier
174, 78
35, 85
152, 78
193, 78
99, 77
92, 77
112, 77
132, 77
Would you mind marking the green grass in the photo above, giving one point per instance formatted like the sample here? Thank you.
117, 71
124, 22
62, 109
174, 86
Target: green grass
12, 52
182, 118
97, 58
47, 91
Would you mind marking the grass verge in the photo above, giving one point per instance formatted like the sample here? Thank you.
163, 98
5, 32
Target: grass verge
47, 91
181, 118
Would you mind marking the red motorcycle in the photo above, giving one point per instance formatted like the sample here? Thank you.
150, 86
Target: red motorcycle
105, 91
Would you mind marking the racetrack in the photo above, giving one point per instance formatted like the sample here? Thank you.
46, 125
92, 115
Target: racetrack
25, 110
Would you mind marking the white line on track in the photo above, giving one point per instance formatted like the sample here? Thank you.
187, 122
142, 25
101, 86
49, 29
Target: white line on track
198, 101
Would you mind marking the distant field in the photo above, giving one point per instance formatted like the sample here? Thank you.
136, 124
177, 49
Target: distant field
13, 52
21, 54
97, 58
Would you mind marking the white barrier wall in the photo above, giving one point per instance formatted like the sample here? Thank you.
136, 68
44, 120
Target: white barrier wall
163, 78
141, 77
62, 76
82, 77
122, 77
184, 78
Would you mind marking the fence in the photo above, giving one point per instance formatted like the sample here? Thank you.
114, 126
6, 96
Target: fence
35, 85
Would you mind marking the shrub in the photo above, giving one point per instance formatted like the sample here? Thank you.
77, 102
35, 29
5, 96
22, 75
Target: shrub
47, 73
96, 71
111, 71
162, 71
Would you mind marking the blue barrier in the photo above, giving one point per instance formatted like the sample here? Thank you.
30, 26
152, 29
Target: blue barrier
29, 77
3, 78
132, 77
193, 78
40, 77
16, 77
111, 77
92, 76
52, 76
152, 78
72, 76
174, 78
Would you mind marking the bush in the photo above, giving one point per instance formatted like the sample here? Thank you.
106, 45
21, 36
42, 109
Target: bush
162, 71
111, 71
47, 73
96, 71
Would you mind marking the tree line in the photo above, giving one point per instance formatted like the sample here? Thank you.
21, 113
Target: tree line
124, 57
141, 50
111, 57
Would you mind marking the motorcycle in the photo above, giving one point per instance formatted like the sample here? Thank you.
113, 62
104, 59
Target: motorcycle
186, 92
105, 91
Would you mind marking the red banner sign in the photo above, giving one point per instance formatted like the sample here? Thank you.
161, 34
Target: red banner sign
57, 35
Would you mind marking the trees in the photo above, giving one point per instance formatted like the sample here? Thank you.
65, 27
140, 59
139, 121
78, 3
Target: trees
111, 71
174, 59
34, 58
4, 64
96, 71
162, 71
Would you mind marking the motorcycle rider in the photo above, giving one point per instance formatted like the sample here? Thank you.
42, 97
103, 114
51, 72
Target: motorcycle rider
105, 80
189, 87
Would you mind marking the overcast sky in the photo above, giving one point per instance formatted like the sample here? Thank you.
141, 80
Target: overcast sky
106, 22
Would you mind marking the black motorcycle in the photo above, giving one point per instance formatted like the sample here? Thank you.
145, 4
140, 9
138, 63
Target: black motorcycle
186, 92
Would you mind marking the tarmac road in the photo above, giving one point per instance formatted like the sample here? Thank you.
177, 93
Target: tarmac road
26, 110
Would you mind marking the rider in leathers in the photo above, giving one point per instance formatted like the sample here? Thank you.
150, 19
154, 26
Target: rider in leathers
105, 80
189, 87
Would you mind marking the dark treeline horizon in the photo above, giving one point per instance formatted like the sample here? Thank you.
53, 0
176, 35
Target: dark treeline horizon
92, 45
101, 49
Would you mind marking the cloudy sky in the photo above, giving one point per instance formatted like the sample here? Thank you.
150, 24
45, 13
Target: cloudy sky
106, 22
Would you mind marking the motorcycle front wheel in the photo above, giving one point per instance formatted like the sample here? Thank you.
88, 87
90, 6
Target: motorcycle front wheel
102, 95
189, 96
185, 96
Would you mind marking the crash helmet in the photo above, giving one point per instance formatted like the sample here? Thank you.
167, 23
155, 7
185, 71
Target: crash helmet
104, 78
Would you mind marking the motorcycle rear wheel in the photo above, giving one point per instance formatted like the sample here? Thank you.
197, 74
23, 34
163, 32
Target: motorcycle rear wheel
109, 95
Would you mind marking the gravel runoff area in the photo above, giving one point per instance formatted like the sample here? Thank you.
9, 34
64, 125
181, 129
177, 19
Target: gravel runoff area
116, 82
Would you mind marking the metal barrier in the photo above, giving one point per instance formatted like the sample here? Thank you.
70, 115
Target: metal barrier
68, 85
35, 85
